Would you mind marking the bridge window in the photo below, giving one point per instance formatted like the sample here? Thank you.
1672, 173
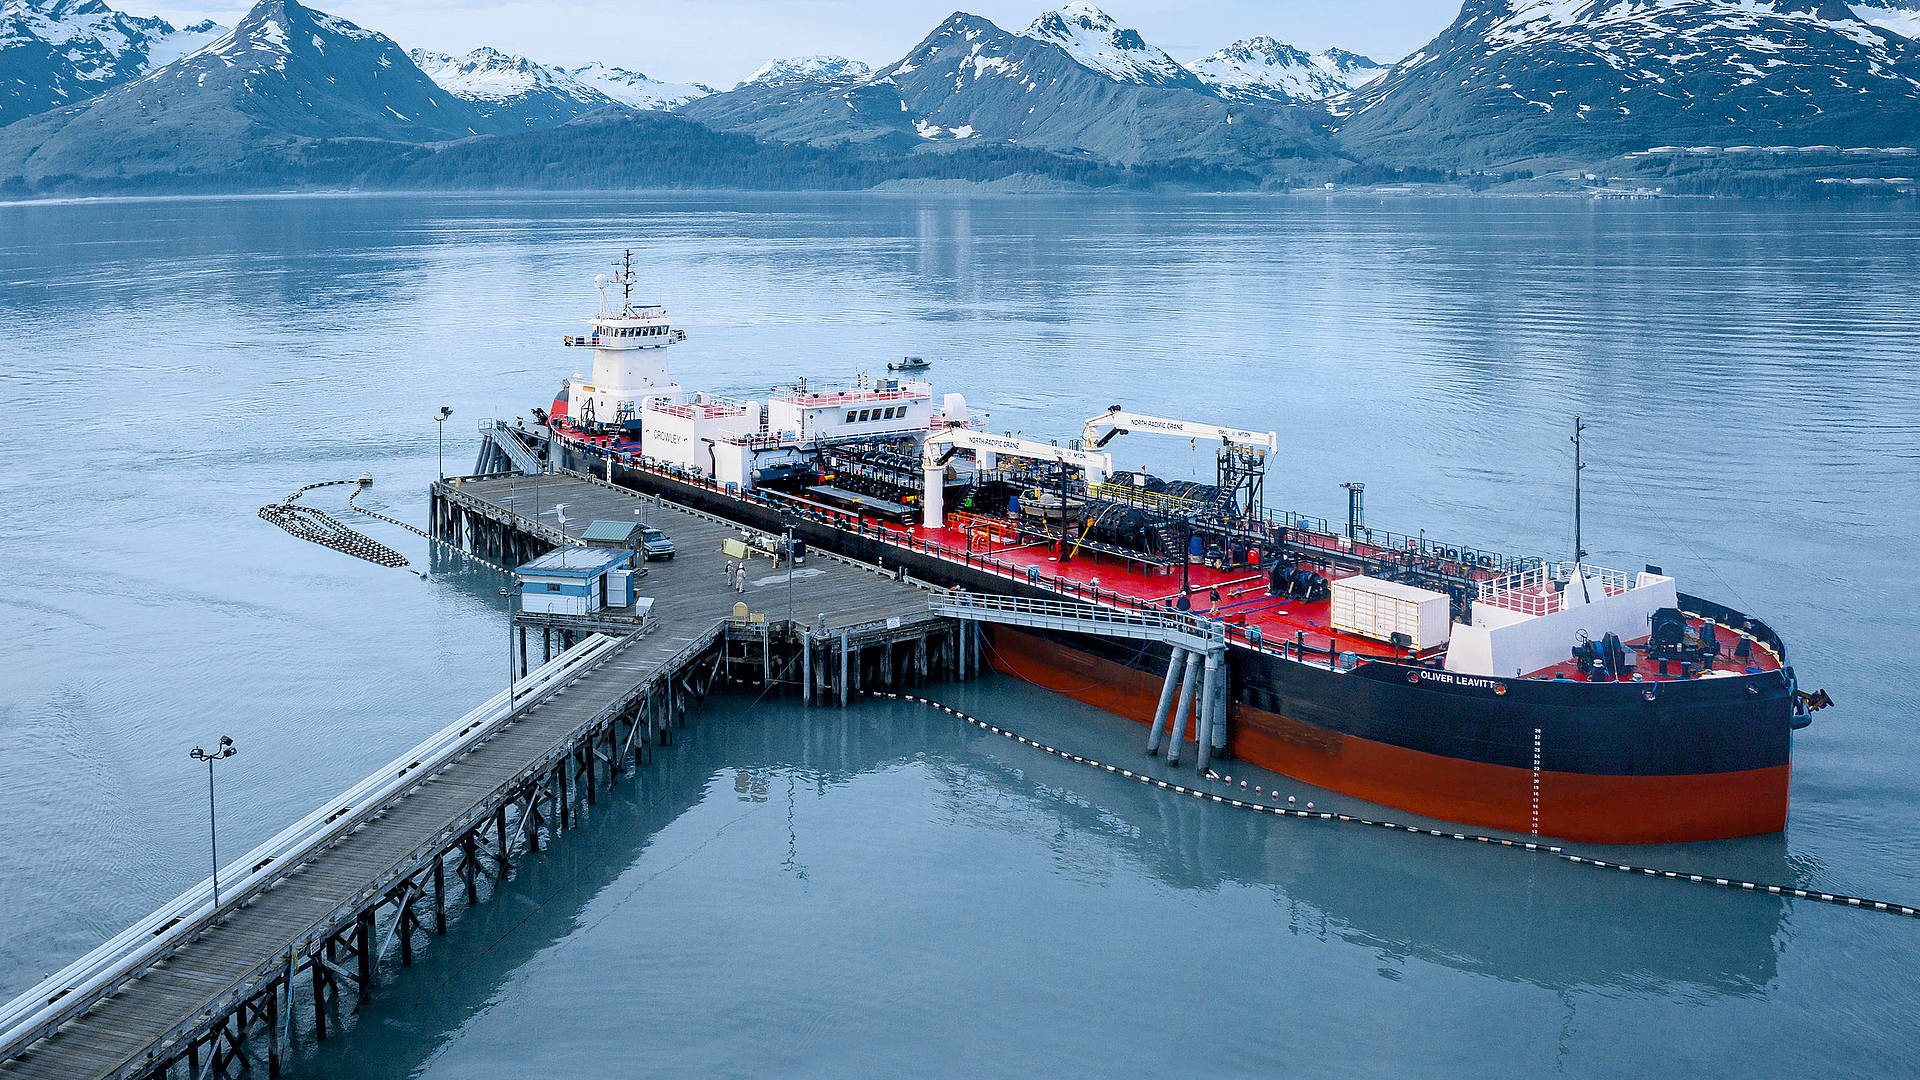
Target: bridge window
850, 415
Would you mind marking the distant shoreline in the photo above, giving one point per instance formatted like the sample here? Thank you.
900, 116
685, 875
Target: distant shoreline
952, 190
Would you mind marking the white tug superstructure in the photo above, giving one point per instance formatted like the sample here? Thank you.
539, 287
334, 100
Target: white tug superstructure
632, 402
629, 358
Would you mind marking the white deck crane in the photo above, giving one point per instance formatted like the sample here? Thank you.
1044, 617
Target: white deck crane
941, 446
1120, 421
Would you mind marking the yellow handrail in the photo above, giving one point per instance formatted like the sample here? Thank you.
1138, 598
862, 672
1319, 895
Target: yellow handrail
1142, 497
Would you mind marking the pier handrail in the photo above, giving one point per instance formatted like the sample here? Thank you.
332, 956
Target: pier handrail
1194, 631
74, 989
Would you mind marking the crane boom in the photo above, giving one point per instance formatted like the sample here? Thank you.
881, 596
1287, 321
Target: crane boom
941, 445
964, 439
1120, 421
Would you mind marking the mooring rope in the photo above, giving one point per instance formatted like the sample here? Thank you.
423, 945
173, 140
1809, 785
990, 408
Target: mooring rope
1837, 899
320, 527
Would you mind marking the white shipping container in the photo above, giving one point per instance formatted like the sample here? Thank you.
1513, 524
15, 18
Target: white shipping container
1371, 608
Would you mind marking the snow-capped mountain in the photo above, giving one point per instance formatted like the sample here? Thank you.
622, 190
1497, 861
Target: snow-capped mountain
634, 90
1585, 80
1264, 69
795, 69
1900, 16
57, 52
511, 89
1095, 41
970, 81
283, 78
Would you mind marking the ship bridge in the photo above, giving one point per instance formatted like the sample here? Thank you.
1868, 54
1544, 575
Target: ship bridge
634, 326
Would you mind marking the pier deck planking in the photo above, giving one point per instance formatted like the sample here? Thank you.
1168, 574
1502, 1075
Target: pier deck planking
691, 593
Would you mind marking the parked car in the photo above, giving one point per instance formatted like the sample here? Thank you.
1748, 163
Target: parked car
655, 544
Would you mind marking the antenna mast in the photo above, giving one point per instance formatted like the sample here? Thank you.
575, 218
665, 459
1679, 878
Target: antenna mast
626, 279
1579, 466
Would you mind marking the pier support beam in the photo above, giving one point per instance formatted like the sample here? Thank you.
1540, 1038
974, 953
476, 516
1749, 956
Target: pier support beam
320, 977
1175, 667
363, 957
1209, 709
1189, 683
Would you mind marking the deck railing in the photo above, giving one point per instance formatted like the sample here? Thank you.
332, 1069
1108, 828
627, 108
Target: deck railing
1326, 653
75, 988
1537, 589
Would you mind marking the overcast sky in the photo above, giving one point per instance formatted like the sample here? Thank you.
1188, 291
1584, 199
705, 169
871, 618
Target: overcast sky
720, 41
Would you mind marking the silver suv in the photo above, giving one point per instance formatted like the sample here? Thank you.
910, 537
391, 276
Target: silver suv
655, 543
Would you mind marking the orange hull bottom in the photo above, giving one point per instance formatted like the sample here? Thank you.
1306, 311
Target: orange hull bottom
1573, 806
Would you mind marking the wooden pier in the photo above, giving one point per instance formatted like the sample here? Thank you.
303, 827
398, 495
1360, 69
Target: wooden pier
199, 992
832, 602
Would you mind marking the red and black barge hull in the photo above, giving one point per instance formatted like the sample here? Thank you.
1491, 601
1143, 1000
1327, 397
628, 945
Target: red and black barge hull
1624, 762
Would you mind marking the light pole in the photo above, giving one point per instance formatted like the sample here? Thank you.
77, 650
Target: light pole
442, 421
507, 596
220, 753
788, 522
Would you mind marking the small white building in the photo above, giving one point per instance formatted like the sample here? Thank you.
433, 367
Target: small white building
577, 581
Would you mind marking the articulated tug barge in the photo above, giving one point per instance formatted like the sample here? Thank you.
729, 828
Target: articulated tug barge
1550, 698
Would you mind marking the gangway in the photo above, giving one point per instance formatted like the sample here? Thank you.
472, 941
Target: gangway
499, 446
1198, 662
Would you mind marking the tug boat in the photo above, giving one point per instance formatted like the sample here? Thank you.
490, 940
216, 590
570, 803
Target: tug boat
1541, 697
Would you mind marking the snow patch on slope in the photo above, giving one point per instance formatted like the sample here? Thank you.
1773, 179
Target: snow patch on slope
1268, 69
487, 74
1095, 41
1904, 21
634, 90
805, 69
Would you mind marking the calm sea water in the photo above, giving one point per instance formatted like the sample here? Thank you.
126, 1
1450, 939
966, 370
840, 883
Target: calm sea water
882, 890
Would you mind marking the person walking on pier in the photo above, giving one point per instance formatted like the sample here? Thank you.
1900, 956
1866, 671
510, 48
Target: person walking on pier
740, 577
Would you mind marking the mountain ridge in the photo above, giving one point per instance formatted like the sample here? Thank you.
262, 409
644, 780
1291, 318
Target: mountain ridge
57, 52
970, 79
1513, 81
1791, 93
283, 76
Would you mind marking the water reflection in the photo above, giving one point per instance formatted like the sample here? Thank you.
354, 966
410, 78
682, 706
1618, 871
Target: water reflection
1396, 899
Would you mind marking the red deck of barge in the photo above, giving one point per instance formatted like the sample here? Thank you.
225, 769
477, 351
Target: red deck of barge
1000, 546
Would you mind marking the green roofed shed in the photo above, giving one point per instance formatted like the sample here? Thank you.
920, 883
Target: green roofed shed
610, 532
